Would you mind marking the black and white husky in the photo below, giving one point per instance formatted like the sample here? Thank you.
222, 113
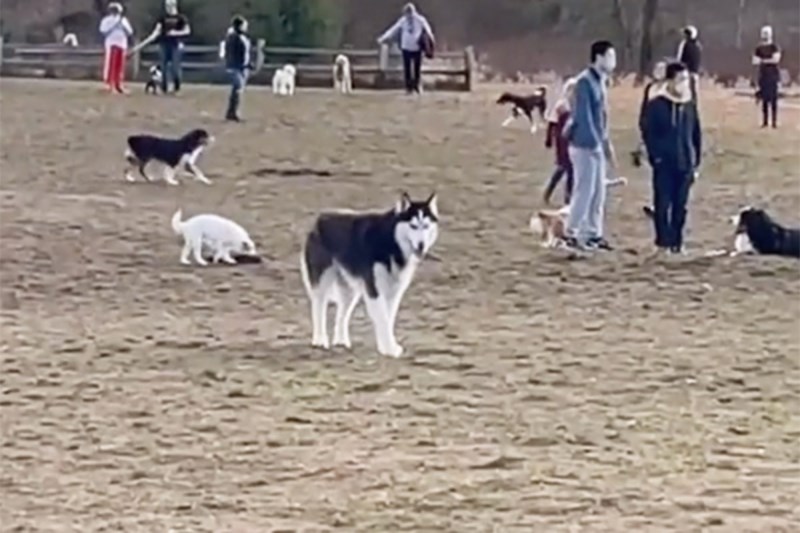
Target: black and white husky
352, 255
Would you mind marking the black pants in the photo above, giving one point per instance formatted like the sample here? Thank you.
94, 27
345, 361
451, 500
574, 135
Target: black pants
769, 103
670, 195
555, 179
412, 66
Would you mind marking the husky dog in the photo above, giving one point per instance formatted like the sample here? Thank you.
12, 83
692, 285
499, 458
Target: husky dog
222, 238
371, 255
154, 82
173, 153
283, 80
342, 75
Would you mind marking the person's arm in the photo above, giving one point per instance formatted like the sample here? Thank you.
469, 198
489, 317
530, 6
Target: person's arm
150, 38
681, 48
426, 26
183, 32
126, 25
643, 108
652, 131
108, 23
775, 58
391, 33
551, 133
697, 140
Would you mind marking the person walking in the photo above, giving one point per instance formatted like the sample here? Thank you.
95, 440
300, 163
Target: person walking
589, 151
415, 37
170, 31
674, 147
237, 54
555, 140
767, 58
690, 53
116, 30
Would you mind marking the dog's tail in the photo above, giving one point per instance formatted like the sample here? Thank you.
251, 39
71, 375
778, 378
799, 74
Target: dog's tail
177, 224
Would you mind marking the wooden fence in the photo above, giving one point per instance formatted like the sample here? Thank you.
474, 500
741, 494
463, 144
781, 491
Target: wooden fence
371, 69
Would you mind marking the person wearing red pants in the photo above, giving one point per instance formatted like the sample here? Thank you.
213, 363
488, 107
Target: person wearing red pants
116, 31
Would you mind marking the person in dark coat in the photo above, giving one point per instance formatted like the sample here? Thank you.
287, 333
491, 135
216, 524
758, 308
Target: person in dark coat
238, 62
690, 53
673, 139
767, 57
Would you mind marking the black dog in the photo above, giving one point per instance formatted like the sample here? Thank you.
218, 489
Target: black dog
526, 105
766, 236
154, 83
173, 153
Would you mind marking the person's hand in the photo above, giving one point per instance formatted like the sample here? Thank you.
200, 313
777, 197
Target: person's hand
696, 174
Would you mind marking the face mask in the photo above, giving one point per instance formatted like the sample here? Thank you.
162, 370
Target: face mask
683, 87
608, 62
244, 27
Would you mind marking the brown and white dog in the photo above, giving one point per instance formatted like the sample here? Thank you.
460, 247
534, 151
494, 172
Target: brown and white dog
526, 105
551, 224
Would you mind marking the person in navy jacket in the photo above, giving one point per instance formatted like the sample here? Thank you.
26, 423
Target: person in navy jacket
673, 139
237, 52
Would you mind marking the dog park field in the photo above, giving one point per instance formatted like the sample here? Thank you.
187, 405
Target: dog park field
538, 392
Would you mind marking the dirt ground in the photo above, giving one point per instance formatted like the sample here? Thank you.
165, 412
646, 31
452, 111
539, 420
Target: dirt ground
616, 393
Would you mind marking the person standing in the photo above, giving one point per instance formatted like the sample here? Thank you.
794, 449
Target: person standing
116, 30
415, 37
555, 139
690, 53
767, 57
674, 148
237, 53
589, 150
170, 31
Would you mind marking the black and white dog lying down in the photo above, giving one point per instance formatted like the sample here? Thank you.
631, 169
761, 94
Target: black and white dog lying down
526, 105
172, 153
757, 233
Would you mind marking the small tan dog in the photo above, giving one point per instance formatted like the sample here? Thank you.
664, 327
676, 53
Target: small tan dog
551, 224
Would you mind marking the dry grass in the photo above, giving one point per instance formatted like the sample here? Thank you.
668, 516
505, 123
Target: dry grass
539, 394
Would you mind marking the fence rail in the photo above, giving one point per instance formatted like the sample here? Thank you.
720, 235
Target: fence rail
379, 68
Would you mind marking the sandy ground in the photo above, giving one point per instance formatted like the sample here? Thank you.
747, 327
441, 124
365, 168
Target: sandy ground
617, 393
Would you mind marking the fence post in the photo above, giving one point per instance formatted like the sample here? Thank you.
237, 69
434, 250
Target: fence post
136, 64
260, 54
471, 66
2, 45
383, 66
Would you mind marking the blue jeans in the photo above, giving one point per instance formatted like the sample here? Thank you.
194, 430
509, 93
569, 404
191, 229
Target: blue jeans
170, 66
587, 208
238, 79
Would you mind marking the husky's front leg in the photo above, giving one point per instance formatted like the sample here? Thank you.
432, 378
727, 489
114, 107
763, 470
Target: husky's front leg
378, 311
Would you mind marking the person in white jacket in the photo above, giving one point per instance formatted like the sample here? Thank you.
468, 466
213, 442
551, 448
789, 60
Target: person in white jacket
116, 31
414, 35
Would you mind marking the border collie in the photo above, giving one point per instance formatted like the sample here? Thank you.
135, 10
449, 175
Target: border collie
154, 82
757, 232
526, 105
551, 224
283, 81
213, 236
349, 256
342, 75
173, 153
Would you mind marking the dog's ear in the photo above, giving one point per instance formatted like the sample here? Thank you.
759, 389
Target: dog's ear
433, 204
403, 203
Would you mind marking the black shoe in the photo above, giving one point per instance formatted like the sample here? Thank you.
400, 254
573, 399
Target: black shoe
571, 243
599, 243
233, 119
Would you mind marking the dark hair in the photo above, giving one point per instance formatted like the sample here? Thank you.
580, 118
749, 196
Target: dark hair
237, 22
599, 48
673, 69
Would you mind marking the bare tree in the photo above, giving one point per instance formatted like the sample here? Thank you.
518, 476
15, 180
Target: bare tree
649, 11
740, 23
619, 14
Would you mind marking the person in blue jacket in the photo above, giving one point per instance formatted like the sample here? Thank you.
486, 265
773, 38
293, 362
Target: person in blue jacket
673, 138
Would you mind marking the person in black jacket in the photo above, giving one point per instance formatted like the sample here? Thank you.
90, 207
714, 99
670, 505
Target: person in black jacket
767, 57
673, 139
690, 53
237, 62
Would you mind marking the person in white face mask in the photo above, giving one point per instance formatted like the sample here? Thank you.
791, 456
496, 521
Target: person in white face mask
673, 139
589, 150
767, 58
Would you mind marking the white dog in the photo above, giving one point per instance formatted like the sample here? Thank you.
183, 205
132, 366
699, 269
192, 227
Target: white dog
342, 76
283, 80
70, 40
218, 236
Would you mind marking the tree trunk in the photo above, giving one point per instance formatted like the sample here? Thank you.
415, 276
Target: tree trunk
740, 23
619, 15
649, 10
